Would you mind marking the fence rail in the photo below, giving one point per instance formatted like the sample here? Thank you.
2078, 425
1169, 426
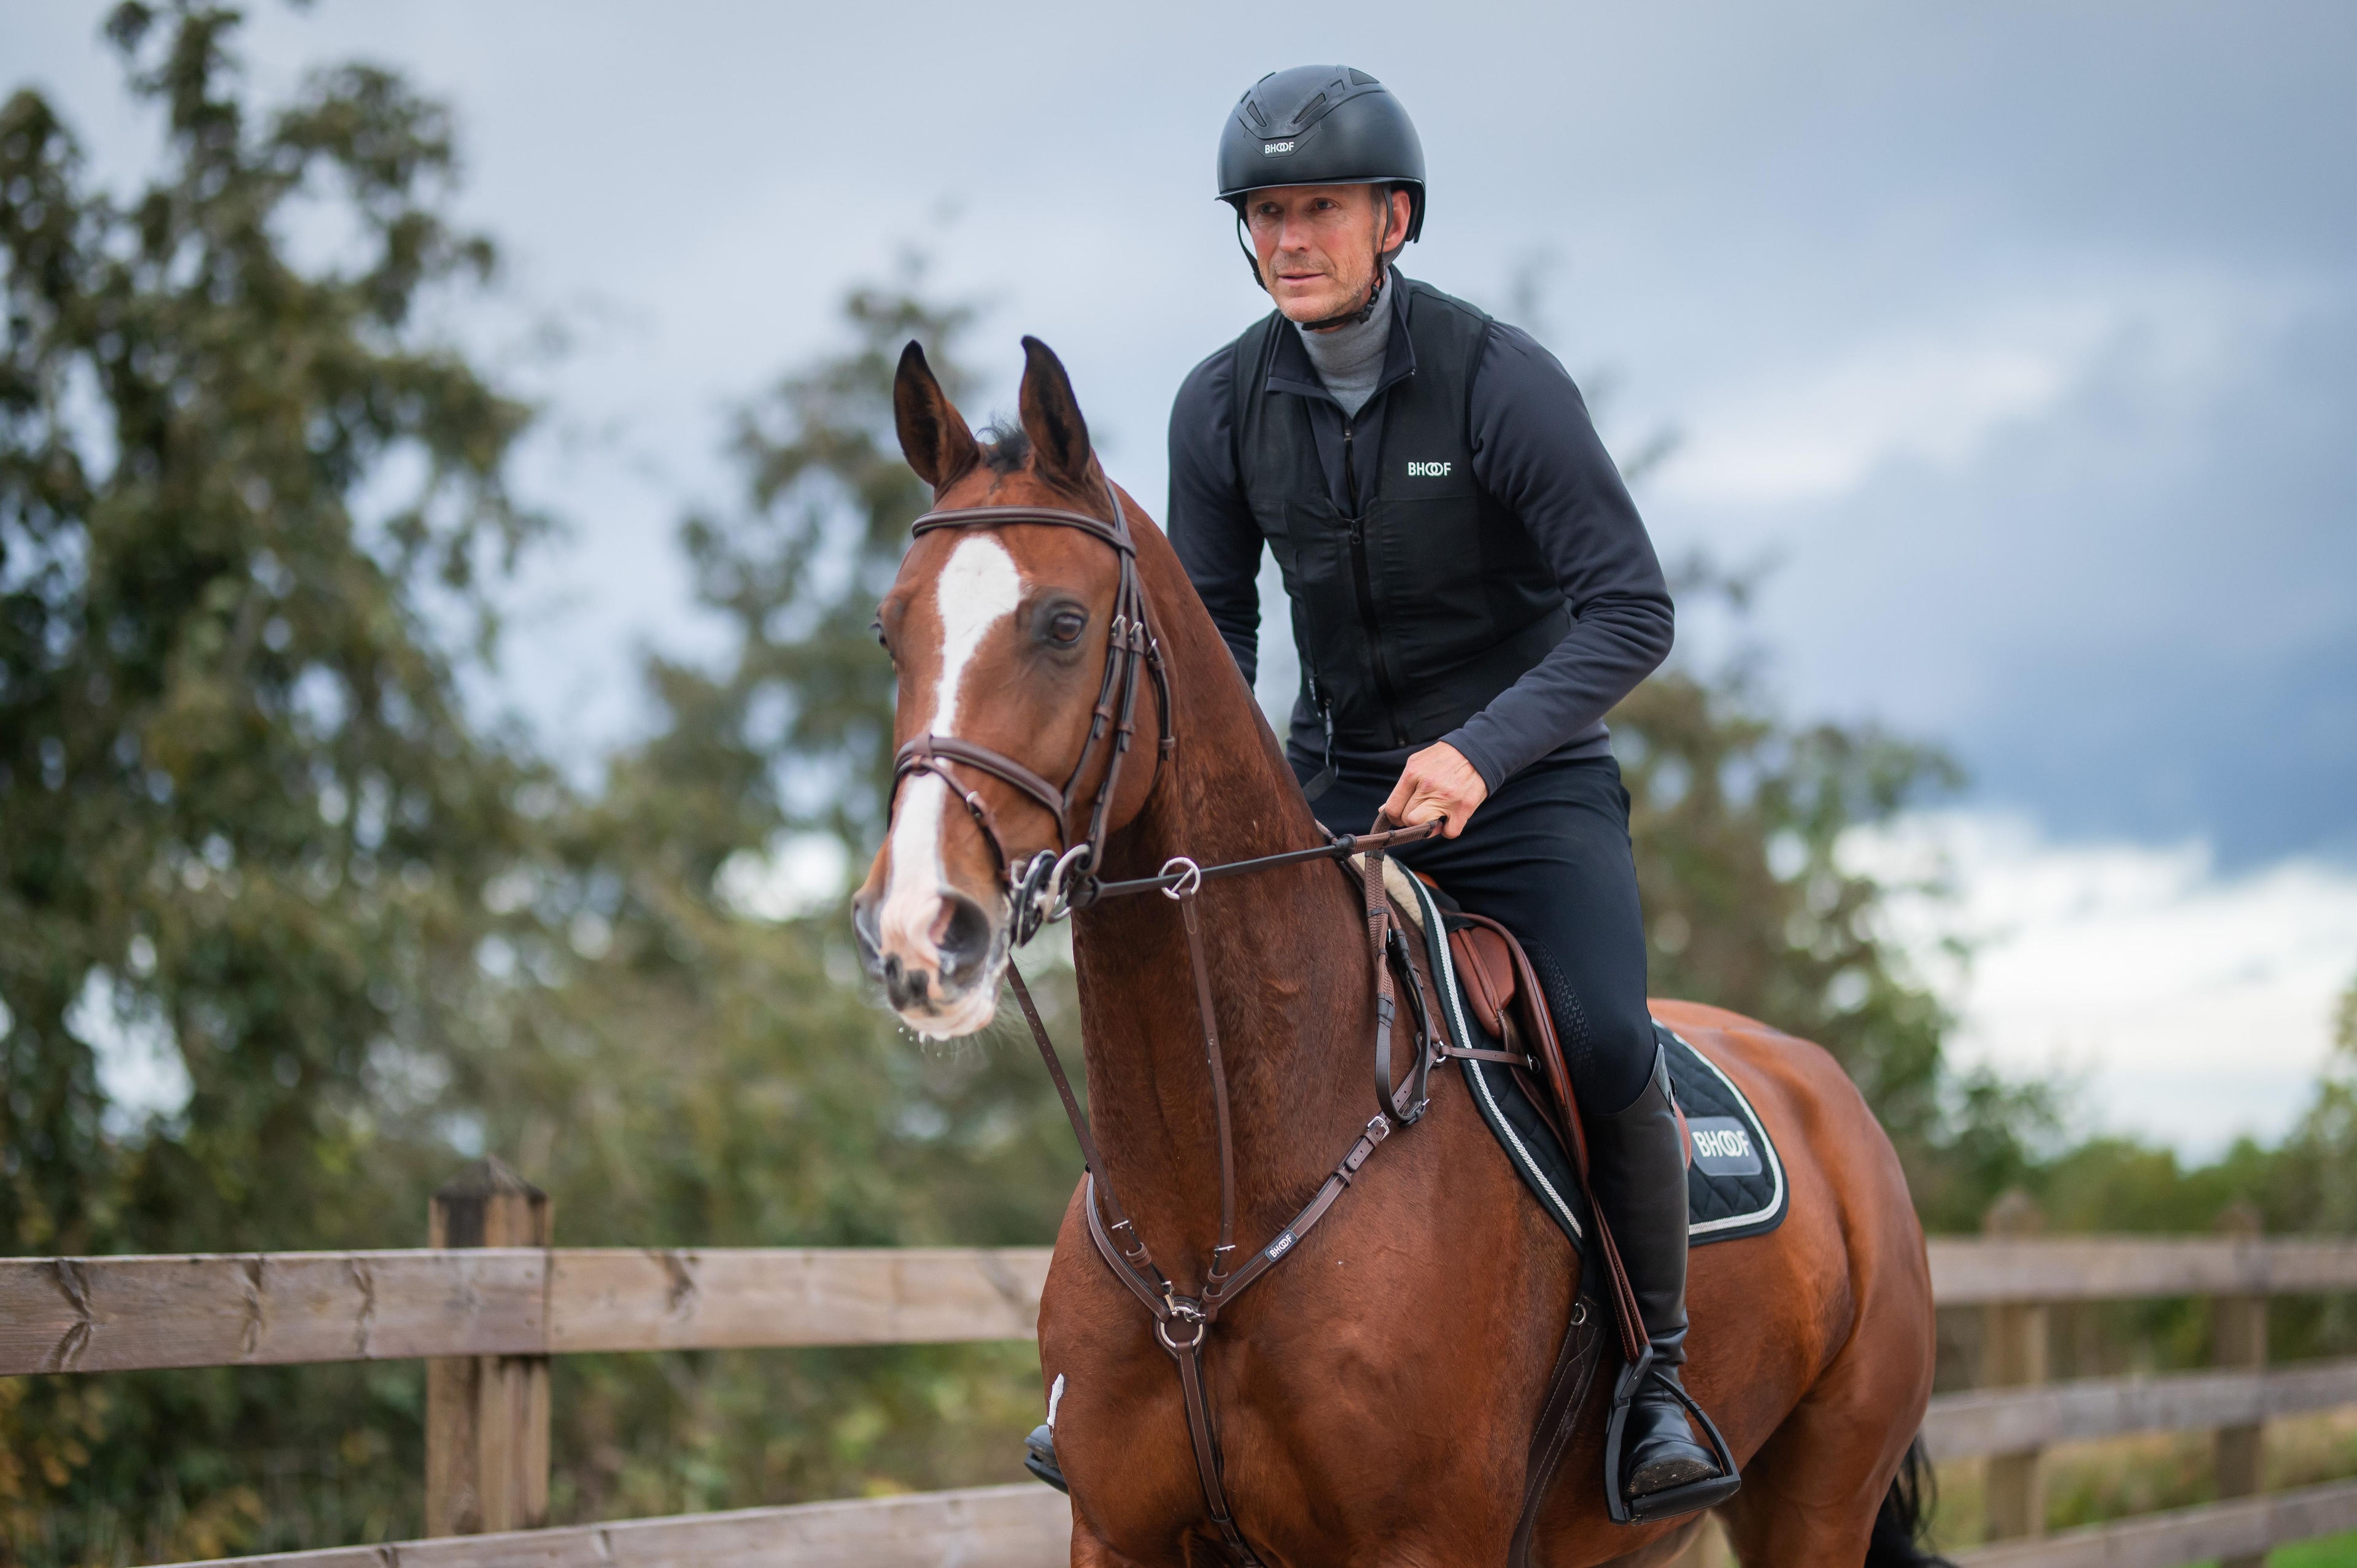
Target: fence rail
487, 1317
228, 1309
986, 1527
2016, 1420
2237, 1530
128, 1313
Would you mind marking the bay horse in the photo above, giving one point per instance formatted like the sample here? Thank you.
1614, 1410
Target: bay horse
1375, 1393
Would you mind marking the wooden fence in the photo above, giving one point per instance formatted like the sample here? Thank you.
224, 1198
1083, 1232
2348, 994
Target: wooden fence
487, 1316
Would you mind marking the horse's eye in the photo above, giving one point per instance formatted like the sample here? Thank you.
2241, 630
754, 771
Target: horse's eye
877, 626
1066, 626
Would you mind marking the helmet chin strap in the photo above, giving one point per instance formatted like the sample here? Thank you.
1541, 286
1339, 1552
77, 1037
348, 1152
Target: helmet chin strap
1374, 291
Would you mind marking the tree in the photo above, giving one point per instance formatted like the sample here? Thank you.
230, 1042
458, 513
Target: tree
243, 819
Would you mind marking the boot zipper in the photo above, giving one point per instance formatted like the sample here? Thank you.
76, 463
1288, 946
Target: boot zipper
1365, 582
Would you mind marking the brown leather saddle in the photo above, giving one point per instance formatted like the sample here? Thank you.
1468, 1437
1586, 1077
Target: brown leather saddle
1489, 964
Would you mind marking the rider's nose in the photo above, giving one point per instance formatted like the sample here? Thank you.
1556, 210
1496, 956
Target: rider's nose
965, 941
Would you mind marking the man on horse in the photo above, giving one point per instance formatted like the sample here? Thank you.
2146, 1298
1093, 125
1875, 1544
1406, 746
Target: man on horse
1471, 590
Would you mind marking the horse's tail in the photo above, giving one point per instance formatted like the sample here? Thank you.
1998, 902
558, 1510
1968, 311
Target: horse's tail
1898, 1528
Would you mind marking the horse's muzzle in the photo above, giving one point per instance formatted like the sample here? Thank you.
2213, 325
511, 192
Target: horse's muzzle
940, 980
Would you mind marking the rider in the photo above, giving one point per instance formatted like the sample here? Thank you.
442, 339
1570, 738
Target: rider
1471, 590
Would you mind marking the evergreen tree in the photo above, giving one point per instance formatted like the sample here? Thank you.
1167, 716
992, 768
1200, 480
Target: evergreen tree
243, 821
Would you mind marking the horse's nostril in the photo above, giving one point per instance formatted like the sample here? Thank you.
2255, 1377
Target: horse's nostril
966, 944
903, 987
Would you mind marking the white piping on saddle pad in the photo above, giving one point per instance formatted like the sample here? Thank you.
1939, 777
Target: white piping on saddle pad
1776, 1198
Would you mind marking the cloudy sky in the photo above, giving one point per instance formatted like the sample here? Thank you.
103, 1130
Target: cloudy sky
2023, 339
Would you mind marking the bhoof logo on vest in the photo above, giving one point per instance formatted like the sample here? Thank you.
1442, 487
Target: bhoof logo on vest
1428, 470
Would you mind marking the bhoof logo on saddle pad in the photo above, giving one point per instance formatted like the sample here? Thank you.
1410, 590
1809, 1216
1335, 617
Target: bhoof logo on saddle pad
1722, 1146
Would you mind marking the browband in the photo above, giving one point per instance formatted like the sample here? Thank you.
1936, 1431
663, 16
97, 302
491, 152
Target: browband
1113, 533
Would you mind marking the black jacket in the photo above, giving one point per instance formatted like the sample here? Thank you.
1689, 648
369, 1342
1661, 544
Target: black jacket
1576, 601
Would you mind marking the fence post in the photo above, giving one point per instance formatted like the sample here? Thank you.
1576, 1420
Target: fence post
487, 1416
2238, 1327
2013, 1354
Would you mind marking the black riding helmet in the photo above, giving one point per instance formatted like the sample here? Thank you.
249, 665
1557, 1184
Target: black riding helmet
1319, 124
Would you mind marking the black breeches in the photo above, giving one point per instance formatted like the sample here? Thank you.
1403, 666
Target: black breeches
1547, 857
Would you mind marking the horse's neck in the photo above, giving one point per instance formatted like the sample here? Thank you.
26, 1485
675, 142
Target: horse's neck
1289, 971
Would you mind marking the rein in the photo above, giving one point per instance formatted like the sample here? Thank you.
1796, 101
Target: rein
1054, 883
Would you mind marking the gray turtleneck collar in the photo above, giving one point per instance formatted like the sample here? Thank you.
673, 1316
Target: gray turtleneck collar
1349, 359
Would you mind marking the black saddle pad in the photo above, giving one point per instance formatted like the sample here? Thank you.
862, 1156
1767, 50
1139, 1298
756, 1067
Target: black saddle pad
1734, 1182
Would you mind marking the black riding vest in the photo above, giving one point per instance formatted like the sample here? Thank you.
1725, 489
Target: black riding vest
1413, 615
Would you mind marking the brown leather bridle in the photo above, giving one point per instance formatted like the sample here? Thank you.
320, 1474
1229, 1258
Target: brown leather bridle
1052, 883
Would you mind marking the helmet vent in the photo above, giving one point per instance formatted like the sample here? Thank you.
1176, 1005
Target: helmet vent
1311, 110
1361, 79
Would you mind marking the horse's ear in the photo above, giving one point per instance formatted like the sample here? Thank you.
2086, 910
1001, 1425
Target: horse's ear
933, 435
1051, 416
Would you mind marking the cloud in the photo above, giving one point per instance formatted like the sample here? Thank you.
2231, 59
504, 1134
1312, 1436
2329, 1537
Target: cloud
2191, 1006
1812, 427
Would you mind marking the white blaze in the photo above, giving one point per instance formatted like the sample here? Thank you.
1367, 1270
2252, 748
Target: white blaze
974, 591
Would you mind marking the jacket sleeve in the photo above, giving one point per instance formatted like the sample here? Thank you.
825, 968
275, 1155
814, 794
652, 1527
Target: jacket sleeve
1209, 523
1535, 449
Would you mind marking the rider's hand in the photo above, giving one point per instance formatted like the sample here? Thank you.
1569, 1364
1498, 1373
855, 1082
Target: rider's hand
1437, 781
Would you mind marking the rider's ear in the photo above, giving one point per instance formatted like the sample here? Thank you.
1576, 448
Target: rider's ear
1051, 416
933, 435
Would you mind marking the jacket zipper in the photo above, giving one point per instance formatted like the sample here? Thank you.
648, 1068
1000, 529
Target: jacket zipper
1367, 622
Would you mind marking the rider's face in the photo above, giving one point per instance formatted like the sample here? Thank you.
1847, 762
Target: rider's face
1316, 243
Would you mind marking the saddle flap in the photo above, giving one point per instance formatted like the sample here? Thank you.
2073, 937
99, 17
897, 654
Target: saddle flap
1486, 953
1487, 967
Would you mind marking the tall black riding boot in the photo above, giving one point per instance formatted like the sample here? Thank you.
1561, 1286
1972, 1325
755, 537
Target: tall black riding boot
1637, 1169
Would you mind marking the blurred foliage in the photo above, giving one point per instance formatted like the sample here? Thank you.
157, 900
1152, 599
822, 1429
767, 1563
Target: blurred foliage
251, 515
246, 825
1737, 822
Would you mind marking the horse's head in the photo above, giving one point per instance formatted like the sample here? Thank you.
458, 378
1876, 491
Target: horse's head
1019, 665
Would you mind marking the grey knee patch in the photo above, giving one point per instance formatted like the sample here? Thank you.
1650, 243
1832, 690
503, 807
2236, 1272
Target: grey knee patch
1584, 1055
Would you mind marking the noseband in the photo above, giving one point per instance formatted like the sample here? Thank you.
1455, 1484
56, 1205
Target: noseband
1053, 882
